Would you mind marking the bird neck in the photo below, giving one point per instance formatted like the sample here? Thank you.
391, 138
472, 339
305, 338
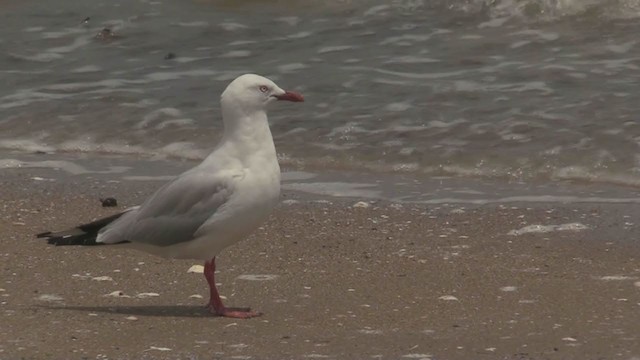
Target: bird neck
248, 136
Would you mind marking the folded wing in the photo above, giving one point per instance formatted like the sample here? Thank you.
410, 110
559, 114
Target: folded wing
174, 213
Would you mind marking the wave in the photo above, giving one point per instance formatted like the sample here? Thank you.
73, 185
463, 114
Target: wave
547, 10
541, 173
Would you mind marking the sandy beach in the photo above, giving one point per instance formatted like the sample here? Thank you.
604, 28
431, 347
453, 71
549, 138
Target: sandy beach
334, 281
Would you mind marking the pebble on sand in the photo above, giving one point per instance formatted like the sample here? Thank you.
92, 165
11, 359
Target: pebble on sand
257, 277
361, 204
448, 298
117, 293
146, 295
541, 229
49, 297
199, 269
417, 356
158, 348
616, 278
109, 202
102, 278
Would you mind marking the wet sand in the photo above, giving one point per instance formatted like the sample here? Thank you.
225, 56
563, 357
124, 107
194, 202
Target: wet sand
334, 281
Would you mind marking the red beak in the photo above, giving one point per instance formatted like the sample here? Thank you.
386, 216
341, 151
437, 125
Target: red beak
290, 96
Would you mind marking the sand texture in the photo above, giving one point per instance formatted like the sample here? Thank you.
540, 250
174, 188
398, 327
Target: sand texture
334, 281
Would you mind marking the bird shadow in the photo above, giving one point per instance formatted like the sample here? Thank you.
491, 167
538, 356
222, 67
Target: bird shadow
188, 311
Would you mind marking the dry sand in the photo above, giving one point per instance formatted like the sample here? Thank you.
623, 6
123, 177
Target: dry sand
334, 282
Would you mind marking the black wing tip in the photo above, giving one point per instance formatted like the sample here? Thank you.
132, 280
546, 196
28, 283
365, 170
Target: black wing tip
69, 237
82, 240
54, 241
84, 234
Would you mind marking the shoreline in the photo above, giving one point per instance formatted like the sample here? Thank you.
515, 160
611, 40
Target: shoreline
374, 187
334, 281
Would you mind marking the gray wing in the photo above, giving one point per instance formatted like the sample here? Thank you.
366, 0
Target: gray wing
174, 213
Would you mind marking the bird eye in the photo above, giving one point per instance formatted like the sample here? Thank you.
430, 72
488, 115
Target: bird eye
264, 88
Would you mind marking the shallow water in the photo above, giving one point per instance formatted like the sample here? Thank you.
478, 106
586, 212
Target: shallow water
536, 91
363, 189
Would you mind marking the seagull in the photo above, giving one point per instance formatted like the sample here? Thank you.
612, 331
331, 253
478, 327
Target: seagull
211, 206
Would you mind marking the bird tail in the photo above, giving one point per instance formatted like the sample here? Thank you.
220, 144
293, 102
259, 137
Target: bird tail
84, 234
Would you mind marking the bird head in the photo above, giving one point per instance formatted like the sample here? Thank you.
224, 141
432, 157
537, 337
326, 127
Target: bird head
253, 93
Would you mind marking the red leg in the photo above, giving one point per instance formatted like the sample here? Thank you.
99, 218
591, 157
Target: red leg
215, 303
